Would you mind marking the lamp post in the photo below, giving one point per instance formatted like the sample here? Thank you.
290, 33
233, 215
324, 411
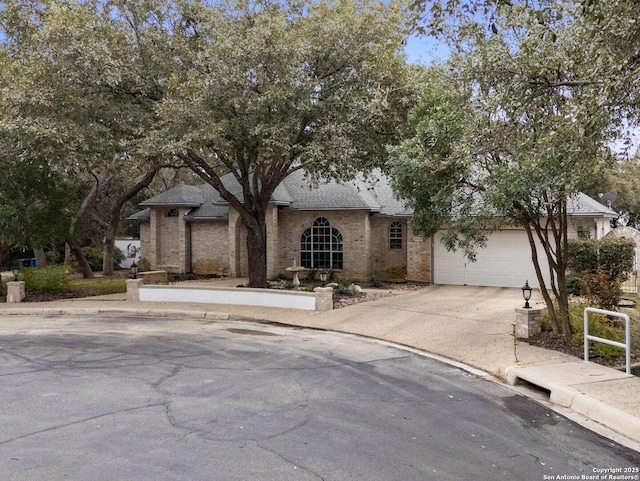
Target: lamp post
323, 277
134, 270
16, 272
526, 293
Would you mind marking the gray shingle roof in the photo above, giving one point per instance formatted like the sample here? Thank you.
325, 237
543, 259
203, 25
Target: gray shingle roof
295, 192
208, 212
142, 215
581, 205
182, 195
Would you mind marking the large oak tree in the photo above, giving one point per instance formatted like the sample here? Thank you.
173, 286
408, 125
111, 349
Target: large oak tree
269, 87
513, 126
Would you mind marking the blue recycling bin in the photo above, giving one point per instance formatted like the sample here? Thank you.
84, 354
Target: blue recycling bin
34, 263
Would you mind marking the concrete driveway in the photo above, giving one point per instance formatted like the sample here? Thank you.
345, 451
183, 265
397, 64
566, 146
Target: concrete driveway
473, 325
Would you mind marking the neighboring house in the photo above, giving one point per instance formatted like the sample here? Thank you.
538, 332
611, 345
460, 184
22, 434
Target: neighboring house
358, 229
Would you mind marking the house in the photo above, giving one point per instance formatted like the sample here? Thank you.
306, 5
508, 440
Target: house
357, 228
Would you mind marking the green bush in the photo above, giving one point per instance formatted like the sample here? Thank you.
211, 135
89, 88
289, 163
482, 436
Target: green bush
599, 326
616, 255
600, 289
144, 265
50, 279
574, 285
583, 255
98, 287
94, 256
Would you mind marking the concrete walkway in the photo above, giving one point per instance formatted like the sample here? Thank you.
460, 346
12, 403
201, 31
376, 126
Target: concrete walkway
467, 325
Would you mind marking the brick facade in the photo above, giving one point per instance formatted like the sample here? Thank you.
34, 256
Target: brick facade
210, 247
220, 246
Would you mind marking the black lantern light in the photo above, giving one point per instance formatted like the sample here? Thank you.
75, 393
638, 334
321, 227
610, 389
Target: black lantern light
323, 276
134, 270
16, 272
526, 293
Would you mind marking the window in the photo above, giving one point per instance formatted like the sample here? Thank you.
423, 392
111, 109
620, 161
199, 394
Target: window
321, 246
583, 232
172, 213
395, 235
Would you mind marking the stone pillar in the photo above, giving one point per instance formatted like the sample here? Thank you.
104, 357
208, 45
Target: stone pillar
133, 289
15, 291
528, 322
324, 298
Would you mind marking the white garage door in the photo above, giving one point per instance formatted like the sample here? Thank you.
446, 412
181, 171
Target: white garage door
504, 262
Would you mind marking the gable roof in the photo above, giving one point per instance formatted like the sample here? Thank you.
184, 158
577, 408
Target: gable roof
373, 194
295, 192
581, 205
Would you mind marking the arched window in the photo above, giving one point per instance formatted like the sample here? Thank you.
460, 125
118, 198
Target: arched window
321, 246
172, 213
395, 235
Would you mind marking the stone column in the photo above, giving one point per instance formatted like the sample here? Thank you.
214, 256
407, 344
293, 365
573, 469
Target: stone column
324, 298
528, 322
15, 291
133, 289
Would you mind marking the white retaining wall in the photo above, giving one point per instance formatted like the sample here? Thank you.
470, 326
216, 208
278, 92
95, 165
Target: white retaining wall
229, 295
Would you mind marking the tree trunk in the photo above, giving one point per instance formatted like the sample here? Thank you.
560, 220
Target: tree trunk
553, 320
41, 259
114, 220
257, 253
84, 266
108, 250
558, 305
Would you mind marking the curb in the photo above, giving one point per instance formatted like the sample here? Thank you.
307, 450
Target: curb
588, 406
51, 312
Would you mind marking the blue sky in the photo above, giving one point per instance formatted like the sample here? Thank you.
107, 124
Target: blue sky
424, 50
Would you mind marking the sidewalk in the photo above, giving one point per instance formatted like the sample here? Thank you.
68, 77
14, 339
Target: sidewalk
467, 325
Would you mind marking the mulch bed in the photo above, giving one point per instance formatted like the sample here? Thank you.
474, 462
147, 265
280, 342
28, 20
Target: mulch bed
548, 340
372, 294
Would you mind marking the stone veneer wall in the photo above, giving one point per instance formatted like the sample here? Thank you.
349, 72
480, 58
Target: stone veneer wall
145, 246
238, 257
356, 237
210, 247
387, 263
219, 246
418, 257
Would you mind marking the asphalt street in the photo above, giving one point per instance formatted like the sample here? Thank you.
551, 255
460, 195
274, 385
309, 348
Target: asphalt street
116, 398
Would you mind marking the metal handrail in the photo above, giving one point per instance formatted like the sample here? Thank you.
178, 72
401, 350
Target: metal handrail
627, 344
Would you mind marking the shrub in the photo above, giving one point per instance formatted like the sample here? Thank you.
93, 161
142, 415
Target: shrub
574, 285
98, 287
601, 289
617, 255
144, 265
583, 255
95, 256
600, 326
50, 279
614, 254
311, 274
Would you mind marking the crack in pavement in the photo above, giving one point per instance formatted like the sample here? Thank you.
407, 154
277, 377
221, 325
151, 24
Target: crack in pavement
78, 422
289, 461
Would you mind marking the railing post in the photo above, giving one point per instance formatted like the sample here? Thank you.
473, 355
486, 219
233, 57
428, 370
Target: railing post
627, 344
